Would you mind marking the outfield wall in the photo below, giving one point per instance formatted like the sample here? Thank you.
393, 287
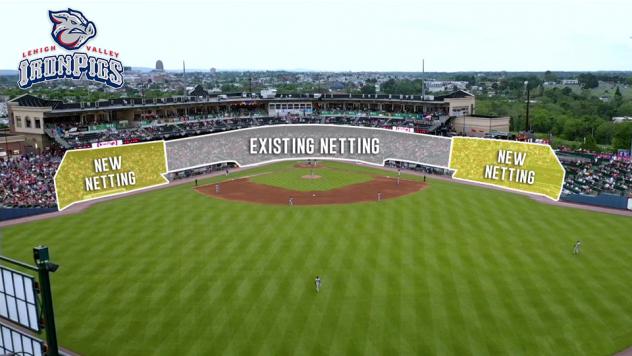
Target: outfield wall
604, 200
16, 213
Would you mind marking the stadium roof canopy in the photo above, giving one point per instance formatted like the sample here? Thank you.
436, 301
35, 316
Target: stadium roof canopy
455, 95
33, 101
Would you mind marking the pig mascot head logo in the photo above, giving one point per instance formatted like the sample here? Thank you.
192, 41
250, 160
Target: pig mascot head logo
71, 29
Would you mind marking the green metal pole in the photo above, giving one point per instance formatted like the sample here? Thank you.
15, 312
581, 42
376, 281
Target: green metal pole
40, 255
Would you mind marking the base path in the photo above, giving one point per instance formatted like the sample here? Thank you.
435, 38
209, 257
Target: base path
246, 191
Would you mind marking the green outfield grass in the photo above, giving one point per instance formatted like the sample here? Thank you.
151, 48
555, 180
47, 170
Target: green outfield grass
450, 270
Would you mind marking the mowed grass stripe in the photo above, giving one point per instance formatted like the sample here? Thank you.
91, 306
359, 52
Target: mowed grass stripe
452, 269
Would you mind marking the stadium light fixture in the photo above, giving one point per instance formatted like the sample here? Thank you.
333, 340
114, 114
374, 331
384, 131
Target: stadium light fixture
52, 267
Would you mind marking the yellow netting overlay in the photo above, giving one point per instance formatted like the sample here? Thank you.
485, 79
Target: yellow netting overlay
98, 172
526, 167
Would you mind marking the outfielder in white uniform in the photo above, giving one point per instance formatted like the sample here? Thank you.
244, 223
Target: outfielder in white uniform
577, 250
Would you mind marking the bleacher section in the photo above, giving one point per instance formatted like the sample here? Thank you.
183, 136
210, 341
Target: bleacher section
602, 174
176, 127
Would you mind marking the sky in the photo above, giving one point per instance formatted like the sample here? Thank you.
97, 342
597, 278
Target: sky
341, 35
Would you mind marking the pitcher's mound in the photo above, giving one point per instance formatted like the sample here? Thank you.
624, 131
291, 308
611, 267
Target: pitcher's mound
311, 176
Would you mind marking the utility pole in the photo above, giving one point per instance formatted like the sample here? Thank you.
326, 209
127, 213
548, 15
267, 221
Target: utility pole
184, 83
526, 86
423, 75
630, 156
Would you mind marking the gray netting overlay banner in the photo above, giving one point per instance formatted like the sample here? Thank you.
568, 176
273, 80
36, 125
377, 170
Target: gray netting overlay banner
235, 146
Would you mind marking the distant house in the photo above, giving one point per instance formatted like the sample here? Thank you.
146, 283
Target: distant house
621, 119
435, 86
604, 98
480, 125
570, 82
337, 85
461, 102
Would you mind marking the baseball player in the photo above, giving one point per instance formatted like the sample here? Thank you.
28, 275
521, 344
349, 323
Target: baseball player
317, 281
290, 201
379, 196
577, 250
217, 189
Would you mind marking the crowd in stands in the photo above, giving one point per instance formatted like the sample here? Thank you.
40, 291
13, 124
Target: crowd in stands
151, 128
27, 180
176, 127
152, 132
592, 174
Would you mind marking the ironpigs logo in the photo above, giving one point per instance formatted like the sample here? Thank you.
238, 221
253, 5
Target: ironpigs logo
71, 31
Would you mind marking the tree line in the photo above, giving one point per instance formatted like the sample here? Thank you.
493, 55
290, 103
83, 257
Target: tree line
581, 117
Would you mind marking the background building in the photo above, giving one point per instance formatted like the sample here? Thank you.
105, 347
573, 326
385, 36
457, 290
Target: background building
479, 126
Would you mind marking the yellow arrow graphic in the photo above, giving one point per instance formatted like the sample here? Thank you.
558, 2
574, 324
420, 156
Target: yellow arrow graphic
97, 172
521, 166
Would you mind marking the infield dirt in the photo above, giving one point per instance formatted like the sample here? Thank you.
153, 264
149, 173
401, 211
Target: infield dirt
244, 190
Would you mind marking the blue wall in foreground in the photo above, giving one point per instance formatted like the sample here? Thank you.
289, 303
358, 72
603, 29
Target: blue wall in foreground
14, 213
604, 200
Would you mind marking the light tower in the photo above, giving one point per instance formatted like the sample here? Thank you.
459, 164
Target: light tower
184, 83
526, 87
423, 75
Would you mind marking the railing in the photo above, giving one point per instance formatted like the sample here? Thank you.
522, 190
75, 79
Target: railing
50, 132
